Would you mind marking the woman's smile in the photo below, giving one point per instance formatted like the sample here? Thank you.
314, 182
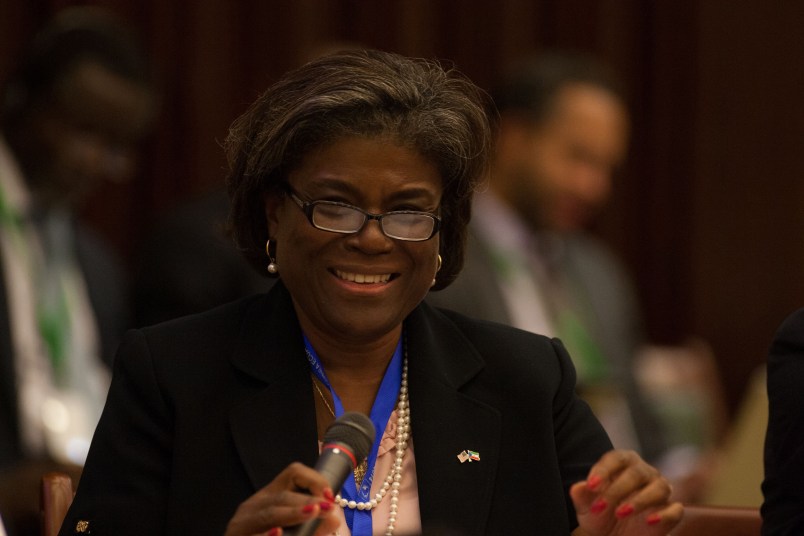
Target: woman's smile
363, 279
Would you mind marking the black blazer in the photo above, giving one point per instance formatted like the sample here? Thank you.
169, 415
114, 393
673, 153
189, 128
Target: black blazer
205, 410
783, 508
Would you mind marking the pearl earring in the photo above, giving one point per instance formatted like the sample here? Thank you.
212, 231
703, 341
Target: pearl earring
438, 267
272, 268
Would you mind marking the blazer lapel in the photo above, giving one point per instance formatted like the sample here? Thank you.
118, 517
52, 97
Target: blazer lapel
445, 421
273, 422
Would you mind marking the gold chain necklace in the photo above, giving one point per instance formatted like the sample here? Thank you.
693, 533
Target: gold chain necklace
360, 470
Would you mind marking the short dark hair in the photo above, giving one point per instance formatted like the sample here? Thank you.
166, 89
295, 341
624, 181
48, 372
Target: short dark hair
531, 85
436, 111
74, 36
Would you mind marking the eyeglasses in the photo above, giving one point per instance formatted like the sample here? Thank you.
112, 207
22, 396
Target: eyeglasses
335, 217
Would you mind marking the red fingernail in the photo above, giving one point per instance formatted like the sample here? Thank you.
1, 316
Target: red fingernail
653, 519
328, 495
598, 506
325, 506
624, 511
593, 482
276, 531
308, 508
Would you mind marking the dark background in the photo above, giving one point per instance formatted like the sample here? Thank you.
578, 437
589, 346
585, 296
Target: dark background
708, 214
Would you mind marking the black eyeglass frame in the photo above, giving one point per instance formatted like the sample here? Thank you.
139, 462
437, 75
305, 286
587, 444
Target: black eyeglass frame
307, 207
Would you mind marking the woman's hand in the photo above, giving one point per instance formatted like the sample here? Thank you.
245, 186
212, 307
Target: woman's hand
625, 496
281, 504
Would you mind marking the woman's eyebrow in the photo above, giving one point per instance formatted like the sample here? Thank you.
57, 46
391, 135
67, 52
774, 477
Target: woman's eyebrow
332, 183
343, 186
415, 194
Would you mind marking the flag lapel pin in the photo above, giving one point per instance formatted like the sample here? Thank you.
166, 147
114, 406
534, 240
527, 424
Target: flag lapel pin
469, 456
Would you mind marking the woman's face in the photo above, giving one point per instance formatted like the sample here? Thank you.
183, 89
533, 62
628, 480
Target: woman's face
355, 287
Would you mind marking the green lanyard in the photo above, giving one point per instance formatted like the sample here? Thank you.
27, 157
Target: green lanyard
52, 309
590, 362
7, 216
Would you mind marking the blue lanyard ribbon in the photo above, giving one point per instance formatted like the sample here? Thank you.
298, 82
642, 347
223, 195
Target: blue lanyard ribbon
359, 521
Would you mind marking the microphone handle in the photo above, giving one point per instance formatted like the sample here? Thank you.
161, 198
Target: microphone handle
335, 466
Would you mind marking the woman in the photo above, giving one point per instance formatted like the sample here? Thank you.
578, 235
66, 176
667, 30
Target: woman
351, 179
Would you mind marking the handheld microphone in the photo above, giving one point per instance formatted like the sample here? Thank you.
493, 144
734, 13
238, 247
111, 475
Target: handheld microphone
346, 444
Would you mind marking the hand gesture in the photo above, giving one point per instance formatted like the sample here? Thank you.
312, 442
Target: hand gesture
624, 496
284, 503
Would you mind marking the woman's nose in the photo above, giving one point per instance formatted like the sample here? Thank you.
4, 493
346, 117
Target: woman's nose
371, 238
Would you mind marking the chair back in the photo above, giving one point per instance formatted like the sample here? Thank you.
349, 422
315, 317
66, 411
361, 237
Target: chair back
719, 521
55, 499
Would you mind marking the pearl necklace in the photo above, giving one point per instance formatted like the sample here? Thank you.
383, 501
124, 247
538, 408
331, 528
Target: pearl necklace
393, 480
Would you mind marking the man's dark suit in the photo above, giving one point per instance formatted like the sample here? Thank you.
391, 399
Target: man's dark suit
611, 313
205, 410
783, 509
188, 263
9, 426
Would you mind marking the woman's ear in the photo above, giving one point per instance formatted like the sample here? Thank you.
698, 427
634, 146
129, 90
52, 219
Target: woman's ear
272, 202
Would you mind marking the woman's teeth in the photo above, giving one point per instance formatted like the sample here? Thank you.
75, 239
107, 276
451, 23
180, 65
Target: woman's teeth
363, 278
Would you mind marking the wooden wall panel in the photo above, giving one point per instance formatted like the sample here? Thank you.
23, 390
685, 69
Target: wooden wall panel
747, 254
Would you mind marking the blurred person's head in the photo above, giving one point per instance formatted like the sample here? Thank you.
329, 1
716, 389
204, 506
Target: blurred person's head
563, 132
77, 105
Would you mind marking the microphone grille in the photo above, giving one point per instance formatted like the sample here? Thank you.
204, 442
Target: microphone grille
353, 429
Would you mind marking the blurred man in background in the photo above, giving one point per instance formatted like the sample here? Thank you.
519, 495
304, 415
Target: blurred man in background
71, 116
530, 263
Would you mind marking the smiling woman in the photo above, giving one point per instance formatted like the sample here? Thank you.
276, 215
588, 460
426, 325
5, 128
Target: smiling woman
351, 181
